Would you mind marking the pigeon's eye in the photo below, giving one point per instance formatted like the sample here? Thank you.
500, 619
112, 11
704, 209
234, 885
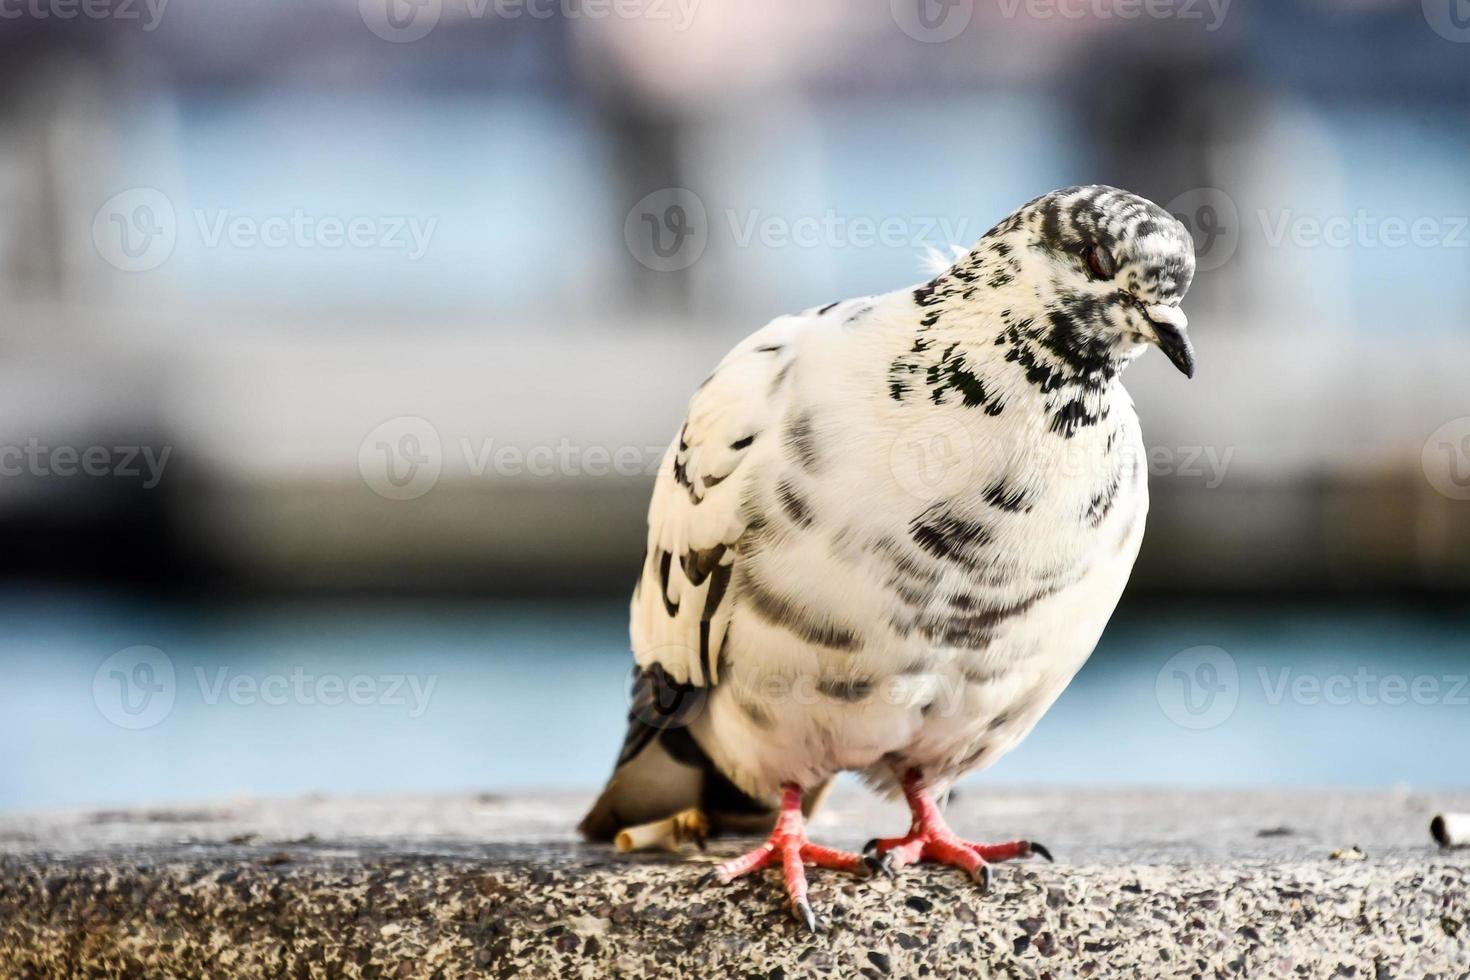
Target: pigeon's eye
1100, 262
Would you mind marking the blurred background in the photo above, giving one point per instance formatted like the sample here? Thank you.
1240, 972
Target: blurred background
341, 340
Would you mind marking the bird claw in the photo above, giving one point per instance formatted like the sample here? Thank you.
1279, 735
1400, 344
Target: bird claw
802, 909
789, 850
983, 877
930, 839
710, 878
879, 864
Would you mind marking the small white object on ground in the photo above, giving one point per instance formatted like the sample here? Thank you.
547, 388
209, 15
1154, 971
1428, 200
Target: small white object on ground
688, 824
1451, 829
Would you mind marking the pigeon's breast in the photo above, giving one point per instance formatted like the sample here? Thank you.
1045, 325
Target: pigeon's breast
885, 616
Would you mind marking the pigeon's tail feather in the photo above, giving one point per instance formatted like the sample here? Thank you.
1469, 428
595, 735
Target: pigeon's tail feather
648, 787
662, 770
668, 774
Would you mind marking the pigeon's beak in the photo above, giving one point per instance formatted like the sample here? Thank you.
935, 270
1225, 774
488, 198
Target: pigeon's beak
1169, 323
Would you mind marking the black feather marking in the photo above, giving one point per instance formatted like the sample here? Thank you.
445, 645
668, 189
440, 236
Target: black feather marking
665, 566
846, 688
801, 443
906, 367
757, 714
1127, 534
1044, 377
973, 758
1074, 416
977, 626
1102, 502
781, 375
944, 535
697, 565
980, 675
1051, 226
1005, 497
719, 581
757, 530
782, 613
704, 648
913, 581
708, 481
952, 373
1092, 358
716, 594
794, 505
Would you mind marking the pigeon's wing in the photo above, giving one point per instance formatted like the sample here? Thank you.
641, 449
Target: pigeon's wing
681, 606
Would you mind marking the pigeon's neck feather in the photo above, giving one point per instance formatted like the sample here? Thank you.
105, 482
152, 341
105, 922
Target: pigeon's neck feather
984, 346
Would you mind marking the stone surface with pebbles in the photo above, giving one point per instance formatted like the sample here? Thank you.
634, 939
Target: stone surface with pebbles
1147, 883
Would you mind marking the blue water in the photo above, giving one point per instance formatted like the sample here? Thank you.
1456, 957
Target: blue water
369, 696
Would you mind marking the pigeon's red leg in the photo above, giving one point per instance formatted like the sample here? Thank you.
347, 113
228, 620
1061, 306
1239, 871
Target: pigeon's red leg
930, 839
788, 845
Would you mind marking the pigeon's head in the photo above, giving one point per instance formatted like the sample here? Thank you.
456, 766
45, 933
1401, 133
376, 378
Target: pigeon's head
1108, 267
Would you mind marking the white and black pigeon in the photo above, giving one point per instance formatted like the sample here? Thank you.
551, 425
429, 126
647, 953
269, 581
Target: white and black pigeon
890, 532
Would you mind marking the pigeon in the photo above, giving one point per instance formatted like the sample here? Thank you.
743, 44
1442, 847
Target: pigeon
889, 533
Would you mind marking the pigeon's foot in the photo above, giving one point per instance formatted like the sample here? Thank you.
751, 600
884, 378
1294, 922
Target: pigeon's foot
788, 845
930, 839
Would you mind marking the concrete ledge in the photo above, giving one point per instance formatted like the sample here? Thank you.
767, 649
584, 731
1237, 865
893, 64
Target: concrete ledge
1148, 883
